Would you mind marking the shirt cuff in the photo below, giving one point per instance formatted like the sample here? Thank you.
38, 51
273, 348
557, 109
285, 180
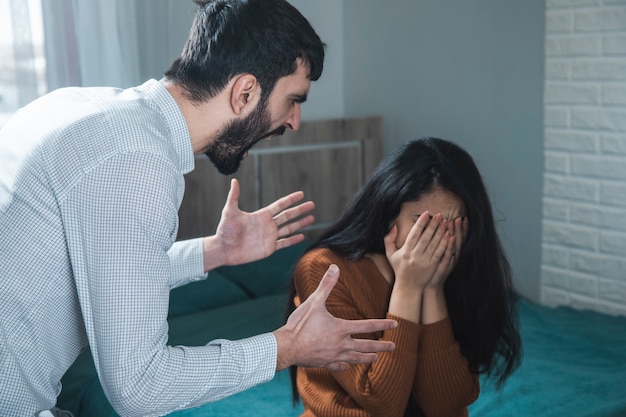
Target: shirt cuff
259, 354
265, 349
186, 262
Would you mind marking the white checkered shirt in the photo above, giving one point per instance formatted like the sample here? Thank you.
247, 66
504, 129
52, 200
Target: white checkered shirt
91, 181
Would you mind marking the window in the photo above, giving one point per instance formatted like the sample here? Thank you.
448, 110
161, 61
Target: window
22, 57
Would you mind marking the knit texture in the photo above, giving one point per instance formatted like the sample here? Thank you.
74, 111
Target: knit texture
426, 364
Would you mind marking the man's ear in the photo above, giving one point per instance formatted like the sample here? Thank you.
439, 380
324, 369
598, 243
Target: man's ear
244, 92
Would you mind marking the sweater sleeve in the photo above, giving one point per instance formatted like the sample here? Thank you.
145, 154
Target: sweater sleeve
444, 385
380, 388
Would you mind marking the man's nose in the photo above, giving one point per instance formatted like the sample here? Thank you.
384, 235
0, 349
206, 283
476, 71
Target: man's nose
293, 122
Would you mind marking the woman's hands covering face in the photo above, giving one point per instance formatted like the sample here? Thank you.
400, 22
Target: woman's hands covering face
458, 229
428, 254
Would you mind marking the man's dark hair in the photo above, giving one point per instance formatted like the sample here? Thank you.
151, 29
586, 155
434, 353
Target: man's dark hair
264, 38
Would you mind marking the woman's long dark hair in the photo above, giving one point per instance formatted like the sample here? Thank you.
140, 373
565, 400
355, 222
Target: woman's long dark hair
479, 292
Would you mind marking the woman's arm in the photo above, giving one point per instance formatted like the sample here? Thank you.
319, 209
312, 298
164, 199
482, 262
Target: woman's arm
380, 388
444, 385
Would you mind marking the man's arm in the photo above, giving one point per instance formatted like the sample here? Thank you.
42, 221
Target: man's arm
313, 337
120, 223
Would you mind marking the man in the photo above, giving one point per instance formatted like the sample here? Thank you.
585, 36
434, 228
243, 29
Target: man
91, 180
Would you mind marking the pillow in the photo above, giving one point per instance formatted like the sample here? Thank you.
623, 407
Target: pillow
268, 276
215, 291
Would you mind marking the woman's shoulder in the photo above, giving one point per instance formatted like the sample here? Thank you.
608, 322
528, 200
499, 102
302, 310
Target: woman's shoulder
322, 257
315, 262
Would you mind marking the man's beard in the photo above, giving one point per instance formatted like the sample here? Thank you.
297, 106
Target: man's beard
229, 147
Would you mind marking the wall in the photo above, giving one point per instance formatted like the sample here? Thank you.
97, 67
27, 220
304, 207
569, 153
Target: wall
584, 202
163, 27
471, 72
474, 72
326, 98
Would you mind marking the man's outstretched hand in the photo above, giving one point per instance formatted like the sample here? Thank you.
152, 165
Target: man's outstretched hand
312, 337
243, 237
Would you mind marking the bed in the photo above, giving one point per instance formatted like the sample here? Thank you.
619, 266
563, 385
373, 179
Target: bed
574, 361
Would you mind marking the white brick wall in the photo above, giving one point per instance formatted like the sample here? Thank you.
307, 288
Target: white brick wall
584, 196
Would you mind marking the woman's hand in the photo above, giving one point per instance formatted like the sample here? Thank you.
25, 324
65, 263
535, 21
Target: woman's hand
458, 229
419, 260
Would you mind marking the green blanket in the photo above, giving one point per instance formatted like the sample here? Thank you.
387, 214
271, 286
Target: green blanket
83, 395
574, 365
574, 361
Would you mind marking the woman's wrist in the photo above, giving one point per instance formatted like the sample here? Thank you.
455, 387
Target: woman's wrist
406, 303
434, 307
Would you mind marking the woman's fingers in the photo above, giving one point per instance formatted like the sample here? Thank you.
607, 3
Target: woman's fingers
419, 230
390, 241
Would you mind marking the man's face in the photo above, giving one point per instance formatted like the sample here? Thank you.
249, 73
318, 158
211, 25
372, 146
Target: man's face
232, 144
270, 118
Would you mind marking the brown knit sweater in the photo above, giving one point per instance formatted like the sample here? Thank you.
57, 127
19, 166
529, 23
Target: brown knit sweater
427, 362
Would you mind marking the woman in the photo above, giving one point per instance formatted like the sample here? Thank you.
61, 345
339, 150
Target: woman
419, 245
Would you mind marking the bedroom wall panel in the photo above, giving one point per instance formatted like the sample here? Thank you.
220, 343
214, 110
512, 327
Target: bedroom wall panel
327, 159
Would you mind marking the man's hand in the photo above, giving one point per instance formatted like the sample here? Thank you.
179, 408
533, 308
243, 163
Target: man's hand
243, 237
313, 337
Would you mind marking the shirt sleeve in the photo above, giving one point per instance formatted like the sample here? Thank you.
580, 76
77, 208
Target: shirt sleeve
186, 262
120, 222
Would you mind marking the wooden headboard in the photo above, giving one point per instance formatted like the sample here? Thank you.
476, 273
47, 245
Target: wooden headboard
327, 159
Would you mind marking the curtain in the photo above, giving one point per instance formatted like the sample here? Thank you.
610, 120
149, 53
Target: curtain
91, 43
117, 43
61, 44
23, 51
21, 63
49, 44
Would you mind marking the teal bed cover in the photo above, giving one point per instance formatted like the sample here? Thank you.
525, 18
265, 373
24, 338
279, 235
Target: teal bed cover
574, 361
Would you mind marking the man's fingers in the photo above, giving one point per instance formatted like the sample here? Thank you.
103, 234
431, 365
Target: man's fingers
358, 357
363, 354
338, 366
289, 241
284, 202
294, 212
233, 194
369, 325
368, 346
327, 284
289, 228
345, 350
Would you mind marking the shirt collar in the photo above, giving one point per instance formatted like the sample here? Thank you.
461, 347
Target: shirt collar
174, 120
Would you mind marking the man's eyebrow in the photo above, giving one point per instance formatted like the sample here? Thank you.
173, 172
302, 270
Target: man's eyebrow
299, 98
